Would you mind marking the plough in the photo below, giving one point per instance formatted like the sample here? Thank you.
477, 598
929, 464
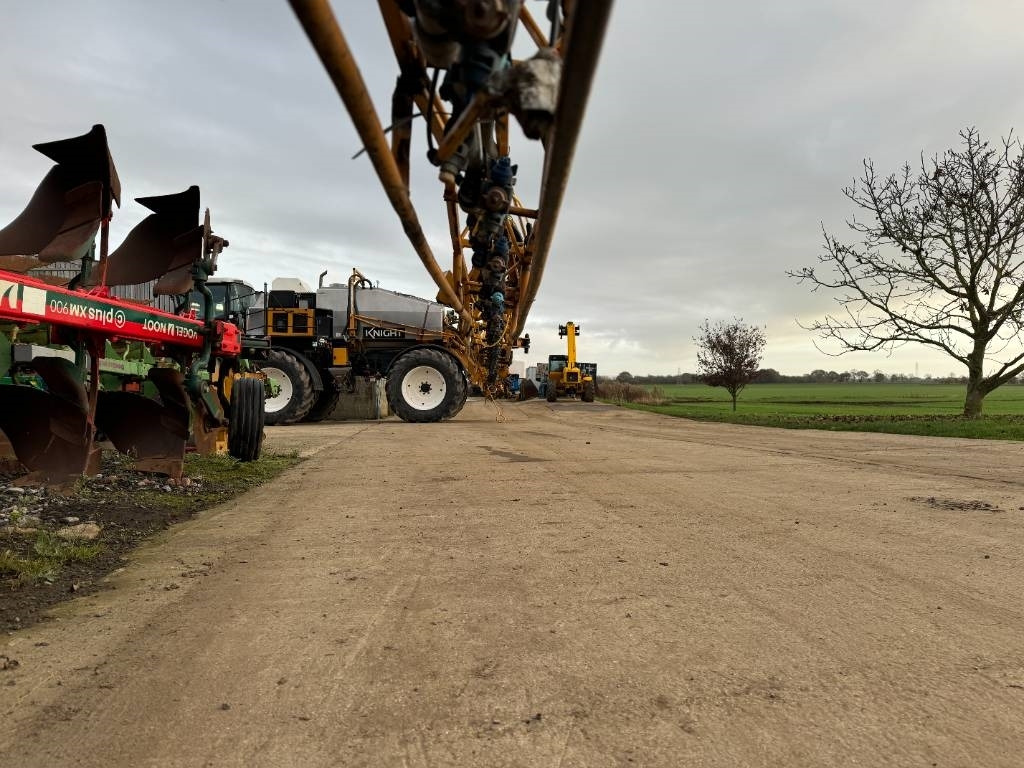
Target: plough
55, 421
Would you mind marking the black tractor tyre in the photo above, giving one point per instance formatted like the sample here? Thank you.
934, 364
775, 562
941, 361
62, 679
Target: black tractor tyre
425, 385
552, 393
587, 396
245, 425
297, 396
326, 403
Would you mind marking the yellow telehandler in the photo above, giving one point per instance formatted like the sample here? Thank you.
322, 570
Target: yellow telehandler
565, 377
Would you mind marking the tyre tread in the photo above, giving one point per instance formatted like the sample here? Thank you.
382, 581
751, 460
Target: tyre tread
245, 428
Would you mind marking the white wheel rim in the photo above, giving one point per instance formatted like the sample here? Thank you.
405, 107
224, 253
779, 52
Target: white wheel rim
284, 396
423, 388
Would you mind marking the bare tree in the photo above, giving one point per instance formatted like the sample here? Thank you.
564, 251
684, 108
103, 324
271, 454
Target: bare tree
729, 355
940, 262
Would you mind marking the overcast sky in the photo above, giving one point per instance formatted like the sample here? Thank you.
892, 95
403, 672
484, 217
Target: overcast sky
715, 146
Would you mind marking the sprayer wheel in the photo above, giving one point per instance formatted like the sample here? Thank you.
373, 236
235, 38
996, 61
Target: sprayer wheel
295, 396
425, 385
245, 426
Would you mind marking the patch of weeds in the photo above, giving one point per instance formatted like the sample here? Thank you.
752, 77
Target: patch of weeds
44, 560
620, 392
50, 547
232, 475
222, 477
16, 514
22, 571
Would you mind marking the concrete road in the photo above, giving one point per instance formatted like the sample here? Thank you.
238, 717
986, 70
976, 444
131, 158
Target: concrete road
574, 586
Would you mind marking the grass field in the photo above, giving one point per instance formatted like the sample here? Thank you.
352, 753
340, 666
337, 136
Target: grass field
915, 409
